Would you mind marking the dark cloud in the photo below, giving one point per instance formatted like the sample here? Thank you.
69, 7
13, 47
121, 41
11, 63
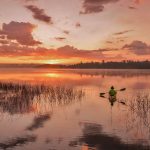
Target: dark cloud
39, 14
3, 42
19, 31
66, 32
122, 32
2, 36
109, 42
132, 7
138, 47
78, 25
95, 6
60, 38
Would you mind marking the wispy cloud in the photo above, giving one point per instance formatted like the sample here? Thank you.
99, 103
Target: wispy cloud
123, 32
39, 14
60, 38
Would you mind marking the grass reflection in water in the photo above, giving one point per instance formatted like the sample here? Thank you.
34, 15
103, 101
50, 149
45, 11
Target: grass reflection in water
24, 98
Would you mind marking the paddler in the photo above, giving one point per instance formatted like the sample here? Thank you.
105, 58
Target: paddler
112, 95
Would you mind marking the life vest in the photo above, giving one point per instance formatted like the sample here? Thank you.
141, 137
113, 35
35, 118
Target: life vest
112, 92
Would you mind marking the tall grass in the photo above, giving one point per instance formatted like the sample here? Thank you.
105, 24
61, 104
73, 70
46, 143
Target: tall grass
140, 105
20, 98
138, 115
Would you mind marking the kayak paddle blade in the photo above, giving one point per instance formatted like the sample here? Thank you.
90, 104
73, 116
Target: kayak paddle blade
123, 89
123, 103
101, 94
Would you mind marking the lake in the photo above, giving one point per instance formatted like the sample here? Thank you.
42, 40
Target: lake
48, 109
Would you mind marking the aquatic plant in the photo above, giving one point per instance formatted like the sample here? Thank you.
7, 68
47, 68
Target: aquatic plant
22, 97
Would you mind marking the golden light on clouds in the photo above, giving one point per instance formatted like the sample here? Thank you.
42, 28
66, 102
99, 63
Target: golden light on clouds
87, 30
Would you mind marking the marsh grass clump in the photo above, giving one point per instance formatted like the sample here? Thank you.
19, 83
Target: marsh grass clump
140, 107
17, 97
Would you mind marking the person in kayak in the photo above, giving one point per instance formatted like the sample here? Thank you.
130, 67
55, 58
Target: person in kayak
112, 95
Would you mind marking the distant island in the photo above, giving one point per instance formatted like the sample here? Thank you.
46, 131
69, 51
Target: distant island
87, 65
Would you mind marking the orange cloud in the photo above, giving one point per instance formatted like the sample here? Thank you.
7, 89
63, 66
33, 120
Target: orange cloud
40, 53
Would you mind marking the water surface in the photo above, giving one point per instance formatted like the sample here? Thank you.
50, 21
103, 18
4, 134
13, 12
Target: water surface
61, 110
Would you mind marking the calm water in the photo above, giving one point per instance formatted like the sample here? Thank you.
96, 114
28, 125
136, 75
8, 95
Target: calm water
73, 116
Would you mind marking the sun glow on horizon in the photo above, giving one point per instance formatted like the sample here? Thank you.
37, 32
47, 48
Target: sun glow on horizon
53, 61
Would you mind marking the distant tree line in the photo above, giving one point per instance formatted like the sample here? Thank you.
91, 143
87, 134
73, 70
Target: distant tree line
88, 65
112, 65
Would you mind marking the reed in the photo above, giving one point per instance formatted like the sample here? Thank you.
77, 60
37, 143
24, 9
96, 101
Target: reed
20, 97
138, 116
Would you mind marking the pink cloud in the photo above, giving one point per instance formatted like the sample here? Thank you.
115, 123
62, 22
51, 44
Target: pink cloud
95, 6
19, 31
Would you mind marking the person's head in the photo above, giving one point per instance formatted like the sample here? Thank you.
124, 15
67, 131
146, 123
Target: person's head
112, 87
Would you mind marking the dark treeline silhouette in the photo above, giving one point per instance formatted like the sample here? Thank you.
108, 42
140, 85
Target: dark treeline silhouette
112, 65
126, 64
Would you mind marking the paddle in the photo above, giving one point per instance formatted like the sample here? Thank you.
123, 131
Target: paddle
116, 101
123, 89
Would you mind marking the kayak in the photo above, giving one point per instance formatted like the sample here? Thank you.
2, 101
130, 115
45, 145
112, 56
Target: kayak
112, 99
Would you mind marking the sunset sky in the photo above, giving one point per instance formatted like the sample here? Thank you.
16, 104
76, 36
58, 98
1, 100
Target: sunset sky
71, 31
